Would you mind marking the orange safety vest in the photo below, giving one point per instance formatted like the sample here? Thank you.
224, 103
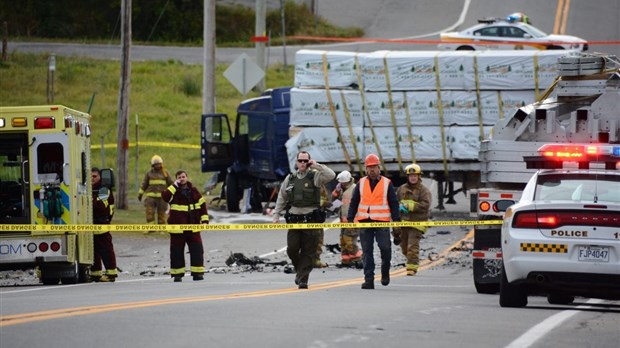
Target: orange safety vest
374, 203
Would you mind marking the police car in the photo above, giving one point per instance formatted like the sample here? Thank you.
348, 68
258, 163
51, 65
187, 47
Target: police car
494, 33
562, 239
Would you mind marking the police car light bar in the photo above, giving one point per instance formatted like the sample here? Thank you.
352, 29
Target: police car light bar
553, 156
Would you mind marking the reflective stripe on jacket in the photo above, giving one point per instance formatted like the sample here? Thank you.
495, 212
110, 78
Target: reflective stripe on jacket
155, 182
187, 206
373, 203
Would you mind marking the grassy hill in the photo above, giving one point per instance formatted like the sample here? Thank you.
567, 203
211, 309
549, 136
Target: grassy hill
165, 96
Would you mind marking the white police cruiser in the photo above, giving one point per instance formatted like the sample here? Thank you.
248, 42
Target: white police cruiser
562, 239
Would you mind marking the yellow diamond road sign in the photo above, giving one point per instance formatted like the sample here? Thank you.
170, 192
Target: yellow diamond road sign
244, 74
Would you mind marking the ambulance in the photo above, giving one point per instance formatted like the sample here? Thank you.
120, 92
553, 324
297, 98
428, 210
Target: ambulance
45, 183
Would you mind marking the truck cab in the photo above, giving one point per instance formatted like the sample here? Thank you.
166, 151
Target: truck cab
254, 159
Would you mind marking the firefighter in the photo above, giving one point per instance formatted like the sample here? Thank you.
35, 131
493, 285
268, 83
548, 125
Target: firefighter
187, 206
415, 202
155, 181
374, 200
103, 210
350, 252
301, 191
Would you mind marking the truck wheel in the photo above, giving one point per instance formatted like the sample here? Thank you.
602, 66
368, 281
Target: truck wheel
486, 288
232, 193
560, 299
511, 295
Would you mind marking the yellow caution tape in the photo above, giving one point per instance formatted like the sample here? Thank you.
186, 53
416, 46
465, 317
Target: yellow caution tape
232, 227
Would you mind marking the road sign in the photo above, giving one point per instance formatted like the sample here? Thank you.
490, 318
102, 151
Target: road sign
244, 74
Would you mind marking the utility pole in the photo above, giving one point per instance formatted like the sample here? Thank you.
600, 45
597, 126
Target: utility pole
208, 65
260, 34
122, 158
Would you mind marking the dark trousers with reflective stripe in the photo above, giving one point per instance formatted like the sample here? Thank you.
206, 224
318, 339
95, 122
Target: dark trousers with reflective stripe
177, 251
104, 252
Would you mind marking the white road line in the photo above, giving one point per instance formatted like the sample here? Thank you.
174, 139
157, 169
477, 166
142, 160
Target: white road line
541, 329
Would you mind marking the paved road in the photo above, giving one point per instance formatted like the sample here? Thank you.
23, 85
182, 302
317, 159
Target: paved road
385, 19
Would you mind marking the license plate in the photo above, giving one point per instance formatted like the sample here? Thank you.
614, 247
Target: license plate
591, 253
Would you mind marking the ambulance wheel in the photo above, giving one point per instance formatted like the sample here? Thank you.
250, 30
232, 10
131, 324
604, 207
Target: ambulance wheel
50, 281
83, 273
232, 193
74, 278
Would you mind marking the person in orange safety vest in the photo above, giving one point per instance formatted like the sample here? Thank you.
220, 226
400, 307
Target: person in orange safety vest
374, 200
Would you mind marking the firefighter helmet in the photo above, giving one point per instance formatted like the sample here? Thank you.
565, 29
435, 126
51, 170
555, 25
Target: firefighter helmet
372, 160
344, 176
413, 169
156, 159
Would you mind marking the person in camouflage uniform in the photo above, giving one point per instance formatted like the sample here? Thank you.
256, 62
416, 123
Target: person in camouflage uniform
415, 202
154, 183
350, 252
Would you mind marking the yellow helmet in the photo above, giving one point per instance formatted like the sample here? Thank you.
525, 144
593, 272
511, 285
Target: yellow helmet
413, 169
156, 159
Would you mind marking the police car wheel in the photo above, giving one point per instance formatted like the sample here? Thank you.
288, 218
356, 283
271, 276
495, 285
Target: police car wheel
511, 295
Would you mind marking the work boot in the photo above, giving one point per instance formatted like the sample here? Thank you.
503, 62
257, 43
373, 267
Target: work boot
303, 285
412, 269
368, 285
319, 264
385, 276
107, 279
178, 279
198, 277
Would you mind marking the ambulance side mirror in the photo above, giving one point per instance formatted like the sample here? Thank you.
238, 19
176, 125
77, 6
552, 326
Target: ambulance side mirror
107, 178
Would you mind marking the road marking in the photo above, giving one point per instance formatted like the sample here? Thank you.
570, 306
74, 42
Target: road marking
561, 17
541, 329
23, 318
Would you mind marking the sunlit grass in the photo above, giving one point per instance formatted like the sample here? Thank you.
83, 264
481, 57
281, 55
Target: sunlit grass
167, 114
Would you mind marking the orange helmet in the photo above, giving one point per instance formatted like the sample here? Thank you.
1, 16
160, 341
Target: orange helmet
372, 160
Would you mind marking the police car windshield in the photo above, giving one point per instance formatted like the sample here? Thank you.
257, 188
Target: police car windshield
590, 187
535, 32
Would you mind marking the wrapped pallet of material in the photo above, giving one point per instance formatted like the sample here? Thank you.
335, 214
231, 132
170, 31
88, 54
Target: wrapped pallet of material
325, 144
516, 70
512, 100
426, 143
311, 66
464, 142
457, 107
311, 107
416, 70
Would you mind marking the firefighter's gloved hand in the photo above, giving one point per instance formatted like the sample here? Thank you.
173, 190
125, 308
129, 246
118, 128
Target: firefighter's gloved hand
140, 198
409, 204
403, 209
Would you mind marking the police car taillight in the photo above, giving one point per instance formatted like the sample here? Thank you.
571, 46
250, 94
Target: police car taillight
555, 219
